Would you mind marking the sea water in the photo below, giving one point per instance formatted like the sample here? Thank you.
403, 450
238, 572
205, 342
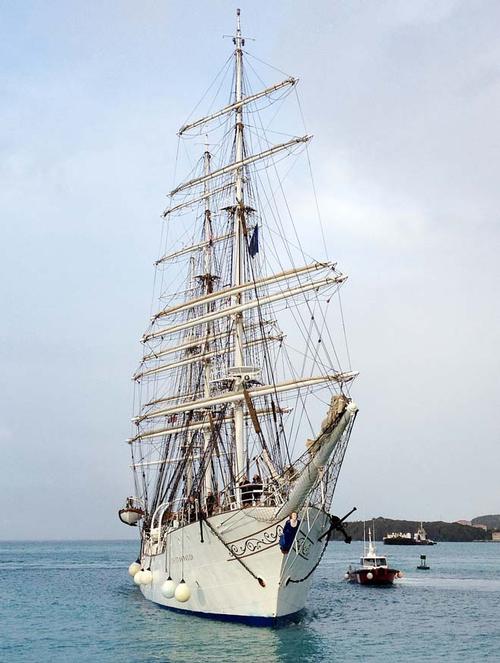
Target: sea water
74, 601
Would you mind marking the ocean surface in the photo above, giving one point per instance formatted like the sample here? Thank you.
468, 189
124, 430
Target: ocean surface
74, 601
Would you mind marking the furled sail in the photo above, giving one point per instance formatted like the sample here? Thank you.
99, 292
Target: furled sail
238, 165
238, 104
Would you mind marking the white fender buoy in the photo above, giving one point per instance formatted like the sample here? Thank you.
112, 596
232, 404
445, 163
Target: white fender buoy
134, 568
346, 576
369, 575
168, 588
138, 577
182, 592
147, 577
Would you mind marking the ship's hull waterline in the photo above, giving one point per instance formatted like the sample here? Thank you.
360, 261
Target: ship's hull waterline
265, 588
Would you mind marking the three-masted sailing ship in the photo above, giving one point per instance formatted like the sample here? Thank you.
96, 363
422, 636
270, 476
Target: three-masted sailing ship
239, 436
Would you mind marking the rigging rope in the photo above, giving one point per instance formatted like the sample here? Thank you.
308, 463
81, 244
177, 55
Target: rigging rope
249, 570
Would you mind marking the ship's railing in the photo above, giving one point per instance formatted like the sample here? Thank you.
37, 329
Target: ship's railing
250, 494
171, 516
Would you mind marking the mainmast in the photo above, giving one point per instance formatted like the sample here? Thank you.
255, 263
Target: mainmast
238, 275
208, 279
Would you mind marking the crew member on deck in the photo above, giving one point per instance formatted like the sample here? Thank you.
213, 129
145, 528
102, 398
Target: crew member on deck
211, 503
246, 491
191, 509
257, 488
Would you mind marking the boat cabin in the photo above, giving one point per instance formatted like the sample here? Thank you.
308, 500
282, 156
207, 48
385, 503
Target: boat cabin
373, 561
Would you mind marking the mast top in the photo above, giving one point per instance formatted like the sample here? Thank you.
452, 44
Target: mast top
238, 41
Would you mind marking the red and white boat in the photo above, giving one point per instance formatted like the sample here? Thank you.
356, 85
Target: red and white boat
373, 570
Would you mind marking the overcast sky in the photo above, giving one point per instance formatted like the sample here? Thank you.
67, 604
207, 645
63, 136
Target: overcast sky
403, 99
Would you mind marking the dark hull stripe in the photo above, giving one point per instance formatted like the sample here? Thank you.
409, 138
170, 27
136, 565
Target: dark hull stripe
273, 622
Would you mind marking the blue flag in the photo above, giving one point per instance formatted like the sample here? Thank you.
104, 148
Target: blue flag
253, 246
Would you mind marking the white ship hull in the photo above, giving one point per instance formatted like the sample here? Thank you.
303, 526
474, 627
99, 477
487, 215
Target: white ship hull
220, 586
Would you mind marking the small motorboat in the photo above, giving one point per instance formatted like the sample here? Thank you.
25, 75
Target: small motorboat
373, 569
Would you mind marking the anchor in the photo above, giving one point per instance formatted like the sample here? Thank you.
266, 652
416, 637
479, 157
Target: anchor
336, 524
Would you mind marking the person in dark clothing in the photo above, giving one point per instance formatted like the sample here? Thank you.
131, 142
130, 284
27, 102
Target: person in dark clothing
191, 509
289, 531
246, 491
257, 489
211, 503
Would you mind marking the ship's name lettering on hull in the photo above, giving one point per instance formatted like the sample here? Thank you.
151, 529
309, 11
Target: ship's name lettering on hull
183, 558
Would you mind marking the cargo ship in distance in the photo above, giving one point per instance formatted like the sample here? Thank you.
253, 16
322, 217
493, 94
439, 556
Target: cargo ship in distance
407, 539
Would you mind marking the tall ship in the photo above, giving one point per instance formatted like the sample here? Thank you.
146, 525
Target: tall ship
240, 429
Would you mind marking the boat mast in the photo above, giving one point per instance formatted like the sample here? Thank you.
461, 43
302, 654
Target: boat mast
238, 275
208, 288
